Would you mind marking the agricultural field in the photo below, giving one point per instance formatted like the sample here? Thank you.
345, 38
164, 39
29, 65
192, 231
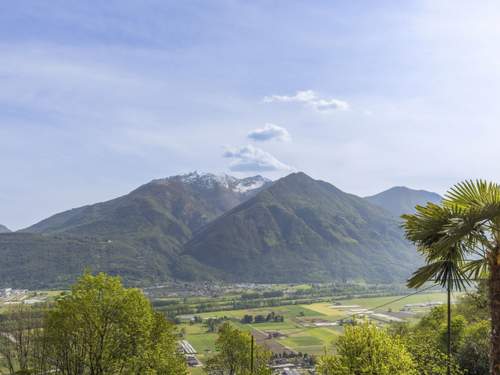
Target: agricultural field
311, 328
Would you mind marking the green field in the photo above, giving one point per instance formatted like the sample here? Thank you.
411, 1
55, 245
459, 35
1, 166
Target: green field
378, 301
298, 332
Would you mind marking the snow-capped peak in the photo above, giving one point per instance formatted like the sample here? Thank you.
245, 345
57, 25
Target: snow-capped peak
210, 180
250, 183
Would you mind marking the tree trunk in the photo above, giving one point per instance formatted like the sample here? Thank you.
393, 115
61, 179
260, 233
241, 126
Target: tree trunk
495, 313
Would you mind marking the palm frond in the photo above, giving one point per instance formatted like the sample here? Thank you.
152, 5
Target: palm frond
476, 269
473, 194
441, 272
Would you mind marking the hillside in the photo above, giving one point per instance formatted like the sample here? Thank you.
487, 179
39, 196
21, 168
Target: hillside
139, 235
401, 200
203, 226
50, 261
300, 229
4, 229
176, 206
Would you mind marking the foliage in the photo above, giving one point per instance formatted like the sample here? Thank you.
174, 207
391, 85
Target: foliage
20, 332
460, 239
475, 306
234, 354
425, 348
100, 328
103, 328
271, 317
366, 349
473, 354
427, 340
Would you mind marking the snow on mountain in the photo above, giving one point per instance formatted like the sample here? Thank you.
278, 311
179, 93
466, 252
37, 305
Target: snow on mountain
210, 180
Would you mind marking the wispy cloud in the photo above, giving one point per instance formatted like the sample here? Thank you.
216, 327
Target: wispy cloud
252, 159
311, 99
270, 132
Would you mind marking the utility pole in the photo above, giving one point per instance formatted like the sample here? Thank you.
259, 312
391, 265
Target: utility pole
251, 355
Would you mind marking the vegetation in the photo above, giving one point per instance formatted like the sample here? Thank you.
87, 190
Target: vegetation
138, 236
461, 239
295, 230
99, 328
234, 354
365, 349
271, 317
304, 230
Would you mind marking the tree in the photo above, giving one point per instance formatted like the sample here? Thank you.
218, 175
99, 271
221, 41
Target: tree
427, 353
473, 354
19, 333
368, 350
427, 344
474, 306
465, 225
103, 328
234, 354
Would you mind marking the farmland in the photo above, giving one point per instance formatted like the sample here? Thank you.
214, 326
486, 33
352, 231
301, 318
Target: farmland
307, 328
310, 316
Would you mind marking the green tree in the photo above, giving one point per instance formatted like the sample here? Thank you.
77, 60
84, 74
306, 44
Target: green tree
20, 329
427, 353
424, 342
102, 328
473, 354
458, 324
465, 225
367, 350
475, 306
234, 354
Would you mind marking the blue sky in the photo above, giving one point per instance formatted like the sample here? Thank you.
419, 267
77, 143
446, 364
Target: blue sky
99, 97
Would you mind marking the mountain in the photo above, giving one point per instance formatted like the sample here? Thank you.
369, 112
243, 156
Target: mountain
401, 200
4, 229
304, 230
204, 226
176, 206
139, 235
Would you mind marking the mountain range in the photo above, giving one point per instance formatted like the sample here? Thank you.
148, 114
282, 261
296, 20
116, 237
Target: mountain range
4, 229
207, 227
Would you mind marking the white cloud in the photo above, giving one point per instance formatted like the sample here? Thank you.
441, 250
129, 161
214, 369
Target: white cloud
252, 159
311, 99
270, 132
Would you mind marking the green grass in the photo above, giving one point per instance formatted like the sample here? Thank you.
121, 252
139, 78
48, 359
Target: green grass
196, 371
312, 340
298, 336
290, 311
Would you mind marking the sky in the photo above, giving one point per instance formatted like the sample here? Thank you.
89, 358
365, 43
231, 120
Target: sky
99, 97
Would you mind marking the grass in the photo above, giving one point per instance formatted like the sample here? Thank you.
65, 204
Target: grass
196, 371
312, 340
290, 311
299, 333
324, 309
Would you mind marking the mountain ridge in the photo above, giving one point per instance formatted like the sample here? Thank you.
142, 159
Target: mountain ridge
401, 200
293, 229
302, 229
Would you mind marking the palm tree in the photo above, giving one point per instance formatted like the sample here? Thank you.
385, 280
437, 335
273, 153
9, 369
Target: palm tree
443, 267
465, 225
